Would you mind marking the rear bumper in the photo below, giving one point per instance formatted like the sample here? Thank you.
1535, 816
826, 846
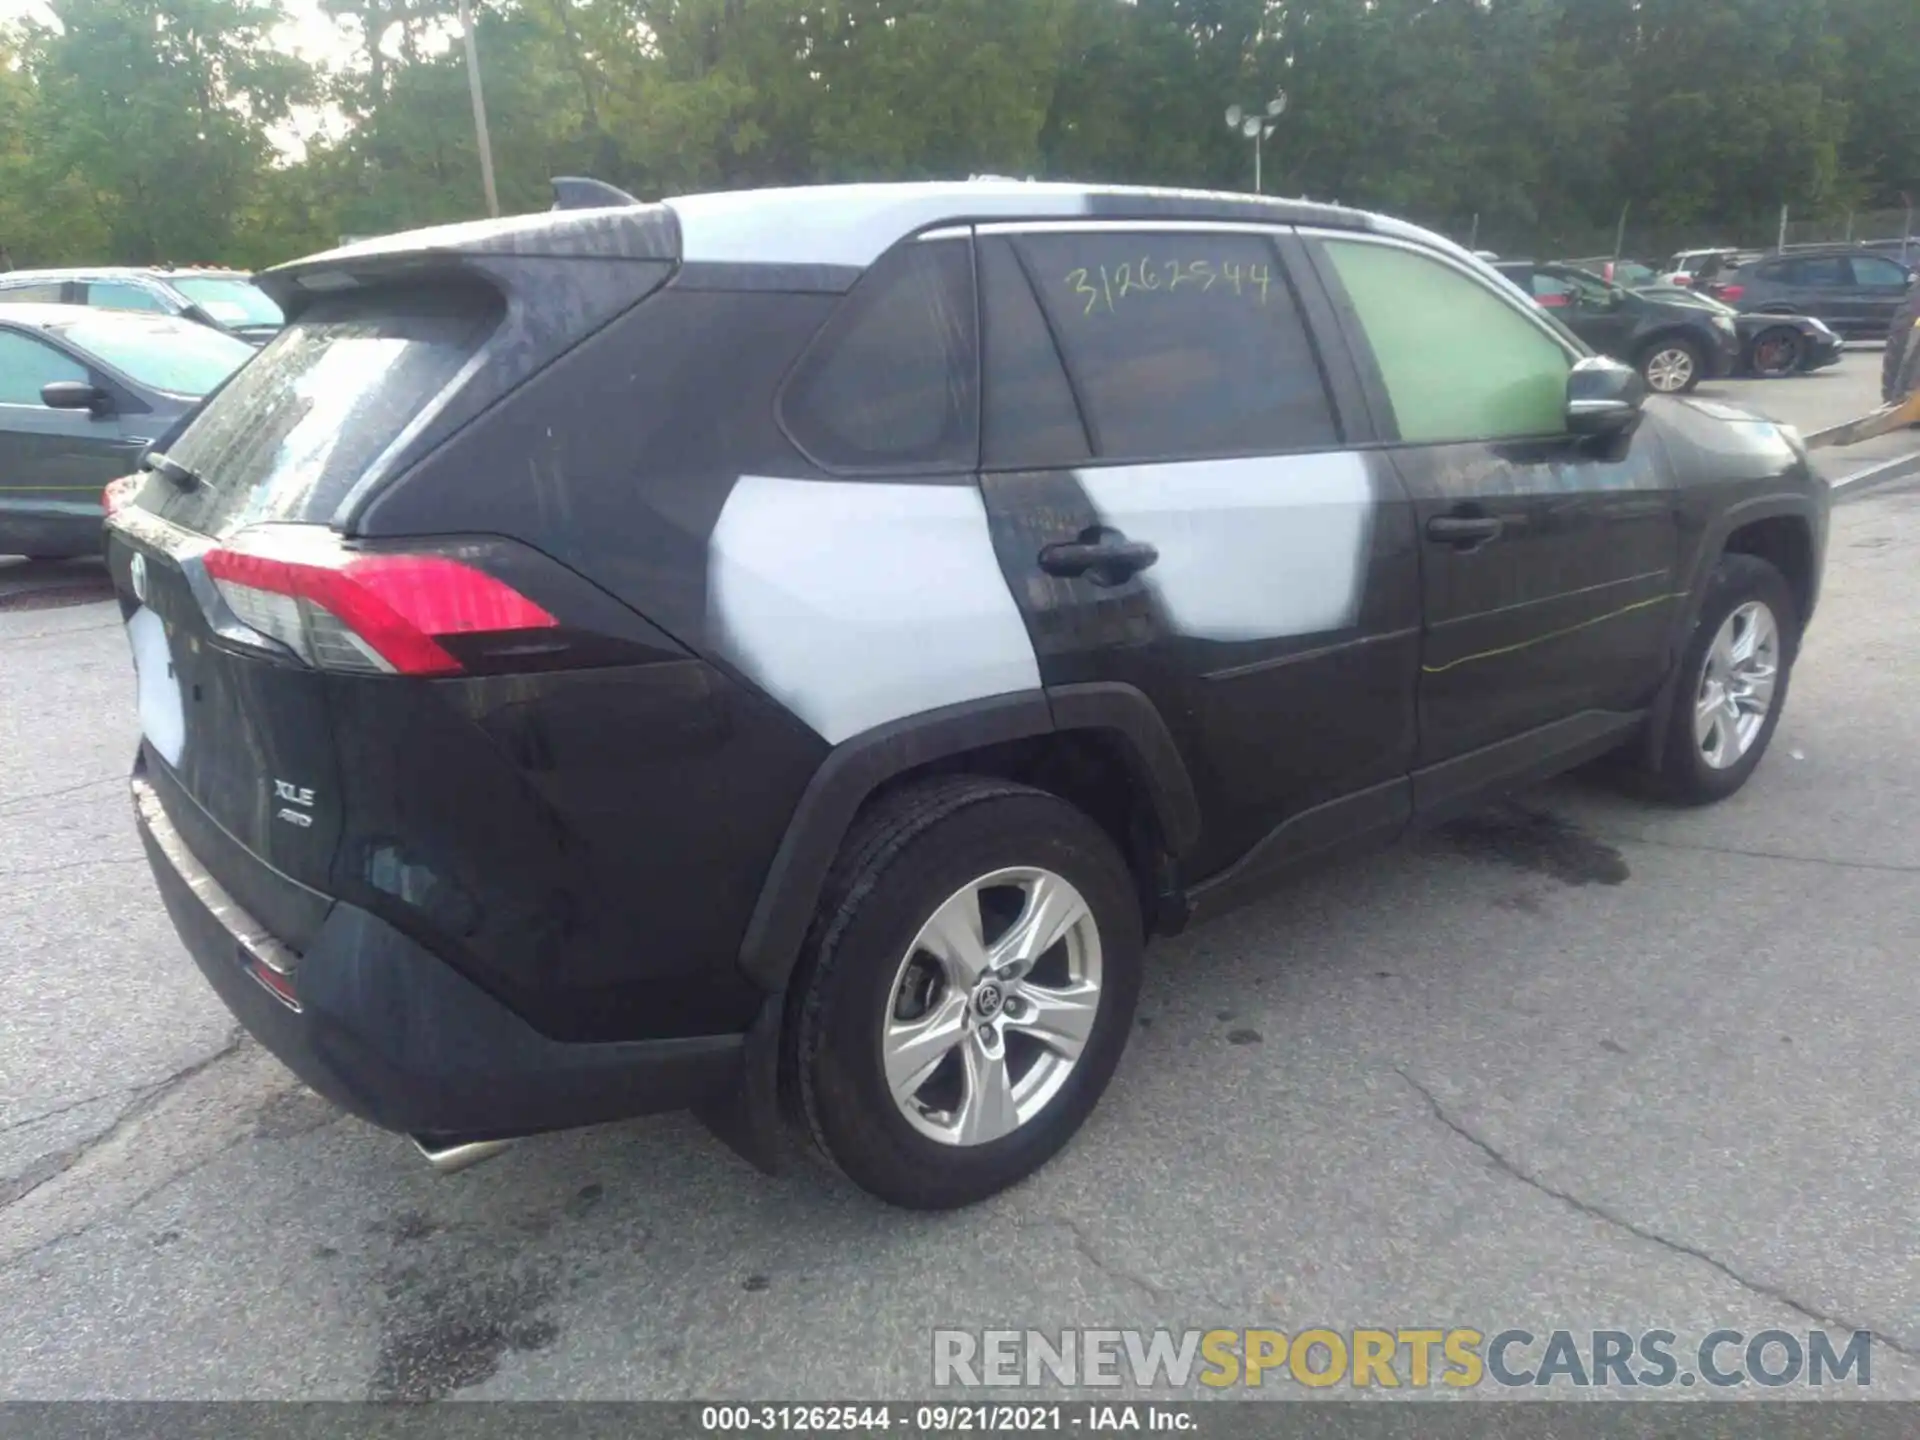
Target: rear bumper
386, 1030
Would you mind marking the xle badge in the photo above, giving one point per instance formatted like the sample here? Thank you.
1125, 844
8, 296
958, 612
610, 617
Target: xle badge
301, 795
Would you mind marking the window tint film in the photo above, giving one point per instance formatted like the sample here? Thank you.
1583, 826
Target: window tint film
1458, 361
1879, 274
892, 381
1030, 420
27, 364
292, 432
1181, 345
115, 295
177, 356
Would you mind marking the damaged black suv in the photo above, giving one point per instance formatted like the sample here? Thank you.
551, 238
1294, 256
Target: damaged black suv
782, 653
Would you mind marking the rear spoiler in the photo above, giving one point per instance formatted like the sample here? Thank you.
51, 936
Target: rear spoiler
622, 230
578, 192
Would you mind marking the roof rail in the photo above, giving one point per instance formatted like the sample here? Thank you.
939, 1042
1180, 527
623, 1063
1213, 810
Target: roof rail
580, 192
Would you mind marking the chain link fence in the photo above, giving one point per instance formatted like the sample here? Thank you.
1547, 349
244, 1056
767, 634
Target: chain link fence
1654, 244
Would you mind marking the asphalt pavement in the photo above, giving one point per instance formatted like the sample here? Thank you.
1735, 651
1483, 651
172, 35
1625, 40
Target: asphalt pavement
1578, 1062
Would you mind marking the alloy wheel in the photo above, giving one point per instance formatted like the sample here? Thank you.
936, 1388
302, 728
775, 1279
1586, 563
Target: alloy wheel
1670, 370
1737, 685
992, 1006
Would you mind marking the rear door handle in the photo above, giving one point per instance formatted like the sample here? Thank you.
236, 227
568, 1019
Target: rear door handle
1465, 531
1106, 557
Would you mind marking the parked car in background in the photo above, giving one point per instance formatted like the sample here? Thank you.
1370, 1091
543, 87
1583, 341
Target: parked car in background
83, 394
789, 670
1696, 267
1630, 273
1770, 345
1672, 344
223, 299
1856, 292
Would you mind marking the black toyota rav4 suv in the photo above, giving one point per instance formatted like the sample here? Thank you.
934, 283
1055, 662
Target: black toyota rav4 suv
782, 653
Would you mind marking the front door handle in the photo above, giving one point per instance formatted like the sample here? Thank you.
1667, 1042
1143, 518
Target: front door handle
1106, 557
1465, 531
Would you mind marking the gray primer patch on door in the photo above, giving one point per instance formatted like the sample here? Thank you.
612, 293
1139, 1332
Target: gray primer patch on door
854, 604
1250, 549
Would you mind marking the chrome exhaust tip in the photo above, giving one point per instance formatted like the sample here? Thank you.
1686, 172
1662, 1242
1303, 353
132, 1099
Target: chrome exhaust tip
451, 1159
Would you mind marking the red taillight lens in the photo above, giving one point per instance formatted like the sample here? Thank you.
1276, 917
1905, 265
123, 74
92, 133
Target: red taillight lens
1728, 293
1551, 302
374, 614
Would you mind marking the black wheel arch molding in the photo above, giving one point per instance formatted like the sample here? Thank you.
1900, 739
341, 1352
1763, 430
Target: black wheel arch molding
1795, 506
859, 767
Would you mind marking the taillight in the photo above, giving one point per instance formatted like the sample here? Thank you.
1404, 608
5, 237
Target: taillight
1552, 302
1729, 293
375, 614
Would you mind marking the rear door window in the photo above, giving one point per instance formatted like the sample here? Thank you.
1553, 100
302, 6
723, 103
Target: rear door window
892, 381
26, 364
1821, 271
303, 421
1181, 345
1029, 419
45, 292
1458, 361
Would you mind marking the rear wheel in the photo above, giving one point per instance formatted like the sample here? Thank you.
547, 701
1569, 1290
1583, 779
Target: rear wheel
1900, 364
1776, 353
1733, 682
970, 980
1671, 366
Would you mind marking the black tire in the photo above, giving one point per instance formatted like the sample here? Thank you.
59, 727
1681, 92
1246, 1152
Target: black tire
1686, 776
1777, 353
1900, 364
1654, 360
905, 857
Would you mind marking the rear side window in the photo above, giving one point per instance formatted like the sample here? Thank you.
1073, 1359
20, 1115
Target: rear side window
1458, 361
1029, 417
26, 364
47, 292
294, 430
1181, 346
892, 380
1820, 270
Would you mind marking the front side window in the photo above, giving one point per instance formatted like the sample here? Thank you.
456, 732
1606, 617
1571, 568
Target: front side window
26, 364
892, 381
116, 295
1181, 345
1458, 361
1878, 274
172, 355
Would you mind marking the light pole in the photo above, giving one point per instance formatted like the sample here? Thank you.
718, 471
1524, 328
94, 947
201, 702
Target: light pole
479, 110
1257, 126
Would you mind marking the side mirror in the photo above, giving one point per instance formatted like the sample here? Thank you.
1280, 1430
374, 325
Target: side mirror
1604, 397
76, 395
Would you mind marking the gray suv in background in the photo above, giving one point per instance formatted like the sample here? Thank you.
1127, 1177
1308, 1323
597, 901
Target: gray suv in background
224, 299
1855, 291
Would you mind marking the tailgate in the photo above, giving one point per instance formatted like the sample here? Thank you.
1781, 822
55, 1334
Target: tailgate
236, 745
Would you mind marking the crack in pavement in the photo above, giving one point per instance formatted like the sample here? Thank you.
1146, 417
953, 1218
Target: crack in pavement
14, 801
1874, 865
67, 1109
1085, 1248
1640, 1232
49, 1168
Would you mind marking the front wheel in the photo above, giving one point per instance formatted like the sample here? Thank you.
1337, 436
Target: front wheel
970, 980
1733, 682
1776, 353
1671, 366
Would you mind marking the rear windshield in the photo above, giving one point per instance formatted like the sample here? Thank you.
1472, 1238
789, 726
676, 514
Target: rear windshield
229, 300
320, 405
